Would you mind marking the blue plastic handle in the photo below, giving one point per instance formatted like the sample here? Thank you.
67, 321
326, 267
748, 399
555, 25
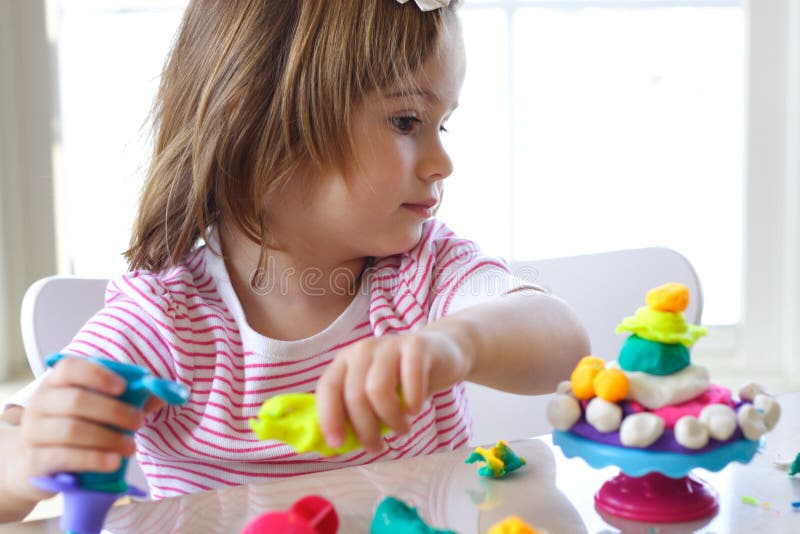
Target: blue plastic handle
141, 383
166, 390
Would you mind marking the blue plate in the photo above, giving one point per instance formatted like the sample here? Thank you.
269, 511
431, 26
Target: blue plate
638, 462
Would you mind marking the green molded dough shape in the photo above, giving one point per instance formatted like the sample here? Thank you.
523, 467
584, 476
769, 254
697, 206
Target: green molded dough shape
639, 354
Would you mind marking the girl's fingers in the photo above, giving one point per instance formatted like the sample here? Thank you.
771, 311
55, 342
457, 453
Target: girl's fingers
49, 460
71, 432
152, 404
357, 403
330, 404
414, 370
82, 403
381, 385
44, 461
83, 373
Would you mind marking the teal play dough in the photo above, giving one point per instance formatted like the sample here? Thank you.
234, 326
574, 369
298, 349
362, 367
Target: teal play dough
393, 516
639, 354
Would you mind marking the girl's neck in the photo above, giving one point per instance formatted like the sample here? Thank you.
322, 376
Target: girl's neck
295, 295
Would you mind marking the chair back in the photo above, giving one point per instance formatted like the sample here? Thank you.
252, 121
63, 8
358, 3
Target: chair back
602, 289
54, 309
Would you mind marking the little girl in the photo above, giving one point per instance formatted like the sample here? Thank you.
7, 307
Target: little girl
285, 243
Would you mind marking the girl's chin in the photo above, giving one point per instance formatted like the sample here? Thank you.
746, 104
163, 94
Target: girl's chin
399, 242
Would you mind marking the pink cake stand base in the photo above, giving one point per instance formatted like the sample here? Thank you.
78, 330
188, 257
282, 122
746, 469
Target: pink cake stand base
655, 498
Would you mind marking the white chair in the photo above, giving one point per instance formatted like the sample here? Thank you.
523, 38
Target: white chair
53, 310
602, 289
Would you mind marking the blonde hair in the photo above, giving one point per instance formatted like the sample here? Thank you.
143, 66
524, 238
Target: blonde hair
253, 91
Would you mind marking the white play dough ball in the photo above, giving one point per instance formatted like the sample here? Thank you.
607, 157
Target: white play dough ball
749, 391
720, 419
564, 387
691, 433
603, 415
641, 429
769, 408
563, 411
751, 421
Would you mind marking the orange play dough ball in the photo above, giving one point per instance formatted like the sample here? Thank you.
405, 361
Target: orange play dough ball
671, 297
611, 385
582, 378
593, 361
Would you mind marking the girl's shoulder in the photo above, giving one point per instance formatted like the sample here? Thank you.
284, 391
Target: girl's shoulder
188, 281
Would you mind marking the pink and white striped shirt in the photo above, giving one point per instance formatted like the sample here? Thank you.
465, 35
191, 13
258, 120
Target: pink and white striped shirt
187, 324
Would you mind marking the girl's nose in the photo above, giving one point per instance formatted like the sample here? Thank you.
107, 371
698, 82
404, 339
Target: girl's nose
435, 163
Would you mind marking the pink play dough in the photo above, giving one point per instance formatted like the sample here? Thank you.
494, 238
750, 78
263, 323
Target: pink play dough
670, 414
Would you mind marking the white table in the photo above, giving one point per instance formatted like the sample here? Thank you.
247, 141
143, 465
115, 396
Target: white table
551, 492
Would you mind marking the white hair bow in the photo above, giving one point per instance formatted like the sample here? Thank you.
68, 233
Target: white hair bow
429, 5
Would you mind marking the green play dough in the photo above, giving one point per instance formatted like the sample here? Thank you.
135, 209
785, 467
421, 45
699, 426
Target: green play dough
639, 354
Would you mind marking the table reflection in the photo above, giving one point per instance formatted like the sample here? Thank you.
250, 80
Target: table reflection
446, 491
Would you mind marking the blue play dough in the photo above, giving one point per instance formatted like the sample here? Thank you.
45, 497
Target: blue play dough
637, 462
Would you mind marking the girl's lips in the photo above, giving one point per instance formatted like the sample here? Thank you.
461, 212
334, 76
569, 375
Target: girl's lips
420, 209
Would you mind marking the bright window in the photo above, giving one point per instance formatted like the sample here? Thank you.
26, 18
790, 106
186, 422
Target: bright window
110, 55
589, 126
584, 125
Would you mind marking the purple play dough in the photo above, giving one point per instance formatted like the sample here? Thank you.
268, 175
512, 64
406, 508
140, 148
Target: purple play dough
666, 443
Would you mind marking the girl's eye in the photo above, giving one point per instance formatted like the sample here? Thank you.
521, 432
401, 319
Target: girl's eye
406, 124
443, 129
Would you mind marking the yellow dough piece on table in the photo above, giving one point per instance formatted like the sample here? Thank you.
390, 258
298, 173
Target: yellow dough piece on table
671, 297
500, 460
512, 525
293, 419
582, 378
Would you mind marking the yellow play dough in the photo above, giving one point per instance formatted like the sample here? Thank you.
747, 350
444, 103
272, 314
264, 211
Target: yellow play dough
661, 327
512, 525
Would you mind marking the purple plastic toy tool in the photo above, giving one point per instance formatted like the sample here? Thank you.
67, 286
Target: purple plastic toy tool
84, 509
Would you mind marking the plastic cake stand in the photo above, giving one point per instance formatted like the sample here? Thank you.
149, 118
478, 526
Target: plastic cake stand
655, 486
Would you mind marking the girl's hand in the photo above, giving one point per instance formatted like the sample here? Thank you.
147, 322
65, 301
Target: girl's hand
363, 383
64, 427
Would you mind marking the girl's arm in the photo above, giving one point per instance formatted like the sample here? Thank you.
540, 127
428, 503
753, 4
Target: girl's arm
524, 342
11, 508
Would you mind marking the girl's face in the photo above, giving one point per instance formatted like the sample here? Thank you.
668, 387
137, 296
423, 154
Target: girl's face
395, 184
